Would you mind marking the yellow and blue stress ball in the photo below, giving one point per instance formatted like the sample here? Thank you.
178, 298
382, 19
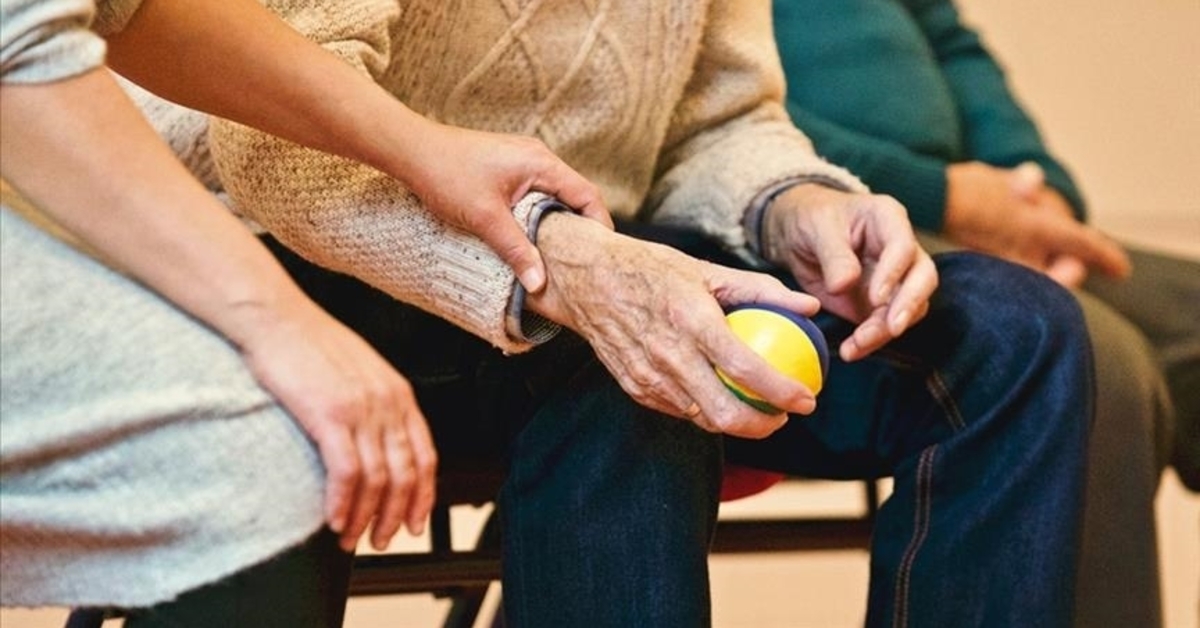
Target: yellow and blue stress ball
791, 343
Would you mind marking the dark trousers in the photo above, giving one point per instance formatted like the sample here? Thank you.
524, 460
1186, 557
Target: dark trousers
980, 413
303, 587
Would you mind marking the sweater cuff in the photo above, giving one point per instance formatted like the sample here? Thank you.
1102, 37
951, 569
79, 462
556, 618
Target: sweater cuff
1057, 178
755, 216
521, 325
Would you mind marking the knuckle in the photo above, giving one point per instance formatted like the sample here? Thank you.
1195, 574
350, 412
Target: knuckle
426, 465
642, 375
344, 470
403, 483
532, 145
375, 477
402, 388
346, 406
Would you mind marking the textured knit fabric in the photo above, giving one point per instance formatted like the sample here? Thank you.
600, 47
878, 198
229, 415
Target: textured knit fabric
185, 130
897, 90
672, 107
138, 457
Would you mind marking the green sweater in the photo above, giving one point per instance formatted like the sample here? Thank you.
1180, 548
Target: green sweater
896, 90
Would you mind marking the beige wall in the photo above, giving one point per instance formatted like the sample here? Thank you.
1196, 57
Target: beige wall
1115, 87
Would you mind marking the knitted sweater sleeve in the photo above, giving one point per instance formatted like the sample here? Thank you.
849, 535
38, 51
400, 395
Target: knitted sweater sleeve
351, 218
997, 128
731, 138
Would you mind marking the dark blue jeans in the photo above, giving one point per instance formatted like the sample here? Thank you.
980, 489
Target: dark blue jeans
980, 413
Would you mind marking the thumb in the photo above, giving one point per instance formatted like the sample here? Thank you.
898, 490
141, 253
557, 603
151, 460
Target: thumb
1068, 271
526, 261
509, 242
1026, 179
576, 192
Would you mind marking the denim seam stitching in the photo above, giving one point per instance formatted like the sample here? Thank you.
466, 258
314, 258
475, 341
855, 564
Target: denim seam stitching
941, 393
921, 521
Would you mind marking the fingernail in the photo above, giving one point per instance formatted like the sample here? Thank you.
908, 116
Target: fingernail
533, 279
900, 321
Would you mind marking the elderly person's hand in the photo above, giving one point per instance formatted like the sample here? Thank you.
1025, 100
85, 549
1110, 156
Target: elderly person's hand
856, 253
654, 316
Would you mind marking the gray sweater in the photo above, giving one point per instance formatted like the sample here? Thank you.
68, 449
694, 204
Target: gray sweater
138, 456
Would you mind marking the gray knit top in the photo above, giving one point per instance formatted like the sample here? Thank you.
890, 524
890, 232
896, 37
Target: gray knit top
138, 456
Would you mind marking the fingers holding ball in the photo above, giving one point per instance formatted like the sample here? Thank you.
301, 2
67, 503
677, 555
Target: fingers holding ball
789, 342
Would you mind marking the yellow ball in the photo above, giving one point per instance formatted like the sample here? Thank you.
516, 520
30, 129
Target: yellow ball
788, 341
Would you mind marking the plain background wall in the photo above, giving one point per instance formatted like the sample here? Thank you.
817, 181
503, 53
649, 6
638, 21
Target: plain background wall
1115, 87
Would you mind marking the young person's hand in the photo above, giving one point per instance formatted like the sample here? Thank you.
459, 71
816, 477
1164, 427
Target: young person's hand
379, 457
858, 254
472, 179
193, 53
135, 206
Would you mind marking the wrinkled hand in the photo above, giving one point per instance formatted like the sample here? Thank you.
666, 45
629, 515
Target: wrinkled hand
379, 457
856, 253
1014, 215
654, 317
472, 179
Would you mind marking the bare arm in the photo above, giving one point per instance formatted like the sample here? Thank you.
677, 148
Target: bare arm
79, 150
237, 60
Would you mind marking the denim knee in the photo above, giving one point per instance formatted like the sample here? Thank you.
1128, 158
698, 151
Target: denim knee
1029, 326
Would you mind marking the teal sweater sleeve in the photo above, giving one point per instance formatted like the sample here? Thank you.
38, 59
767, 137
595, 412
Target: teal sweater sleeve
996, 128
917, 180
897, 90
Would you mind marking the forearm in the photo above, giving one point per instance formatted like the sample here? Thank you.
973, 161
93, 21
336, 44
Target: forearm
344, 216
128, 199
192, 52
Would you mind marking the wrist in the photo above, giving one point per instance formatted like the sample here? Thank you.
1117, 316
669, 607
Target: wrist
526, 319
572, 247
774, 232
245, 319
553, 239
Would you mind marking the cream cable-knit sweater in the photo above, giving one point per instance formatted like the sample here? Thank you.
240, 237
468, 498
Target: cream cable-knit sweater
671, 106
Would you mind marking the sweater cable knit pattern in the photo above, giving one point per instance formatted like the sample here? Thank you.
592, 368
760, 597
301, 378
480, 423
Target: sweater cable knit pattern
673, 108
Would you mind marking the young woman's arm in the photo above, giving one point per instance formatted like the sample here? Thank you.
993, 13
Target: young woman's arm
79, 150
237, 60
